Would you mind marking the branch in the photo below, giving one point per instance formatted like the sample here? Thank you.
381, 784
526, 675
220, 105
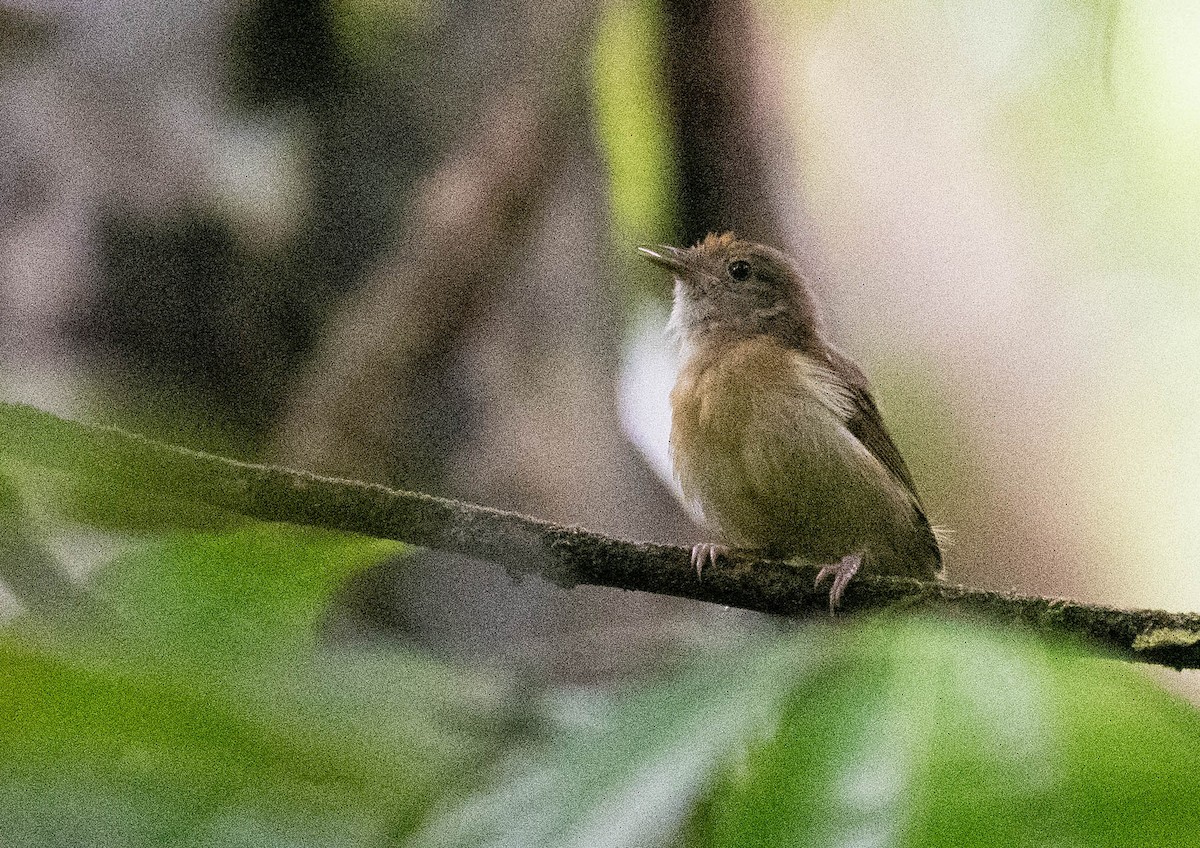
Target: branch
567, 556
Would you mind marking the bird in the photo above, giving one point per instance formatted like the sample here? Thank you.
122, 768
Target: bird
776, 440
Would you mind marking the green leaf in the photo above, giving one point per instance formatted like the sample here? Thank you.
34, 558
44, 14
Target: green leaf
255, 592
108, 754
631, 117
197, 708
27, 567
628, 773
81, 473
905, 733
924, 733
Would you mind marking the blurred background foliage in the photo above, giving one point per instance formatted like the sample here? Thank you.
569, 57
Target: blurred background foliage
393, 241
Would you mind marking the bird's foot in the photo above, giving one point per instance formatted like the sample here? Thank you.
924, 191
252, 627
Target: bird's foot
842, 573
706, 553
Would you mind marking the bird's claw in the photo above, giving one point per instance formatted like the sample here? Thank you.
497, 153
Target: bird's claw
706, 553
842, 573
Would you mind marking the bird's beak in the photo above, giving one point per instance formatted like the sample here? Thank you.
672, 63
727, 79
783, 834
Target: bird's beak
671, 258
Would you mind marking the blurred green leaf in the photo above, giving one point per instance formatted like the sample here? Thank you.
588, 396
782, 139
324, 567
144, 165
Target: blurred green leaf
71, 473
255, 592
198, 709
926, 733
894, 733
27, 567
110, 754
628, 773
631, 118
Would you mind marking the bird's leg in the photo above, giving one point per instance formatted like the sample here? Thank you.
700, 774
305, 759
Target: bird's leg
706, 553
842, 573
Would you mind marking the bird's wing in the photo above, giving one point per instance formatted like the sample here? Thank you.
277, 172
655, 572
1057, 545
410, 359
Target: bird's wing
865, 422
866, 425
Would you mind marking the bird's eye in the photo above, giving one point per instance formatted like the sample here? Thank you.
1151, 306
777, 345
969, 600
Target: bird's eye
739, 269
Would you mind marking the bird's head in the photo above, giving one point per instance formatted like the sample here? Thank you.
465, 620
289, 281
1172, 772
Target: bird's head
729, 288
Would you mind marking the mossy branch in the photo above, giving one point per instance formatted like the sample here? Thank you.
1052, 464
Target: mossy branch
566, 556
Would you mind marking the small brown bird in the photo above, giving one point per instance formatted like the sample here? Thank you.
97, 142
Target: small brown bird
774, 434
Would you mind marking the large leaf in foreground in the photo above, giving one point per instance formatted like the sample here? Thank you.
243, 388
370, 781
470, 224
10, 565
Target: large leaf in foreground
923, 733
194, 706
918, 733
626, 773
99, 755
237, 595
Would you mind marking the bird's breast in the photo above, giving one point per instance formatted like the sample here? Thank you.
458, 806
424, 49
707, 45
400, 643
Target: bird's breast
759, 443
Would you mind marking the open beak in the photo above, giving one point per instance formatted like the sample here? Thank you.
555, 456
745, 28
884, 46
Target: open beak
671, 258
